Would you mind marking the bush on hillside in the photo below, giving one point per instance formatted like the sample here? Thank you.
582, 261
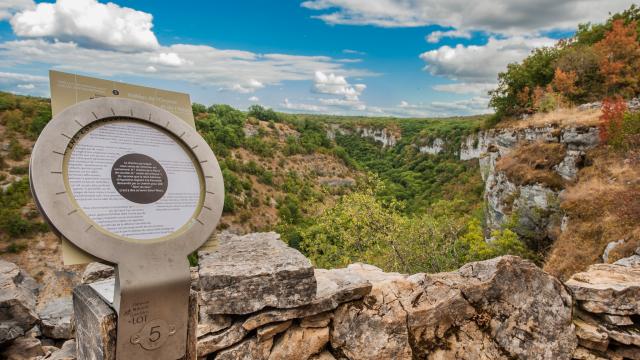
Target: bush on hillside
261, 113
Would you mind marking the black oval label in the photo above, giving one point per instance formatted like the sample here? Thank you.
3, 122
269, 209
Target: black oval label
139, 178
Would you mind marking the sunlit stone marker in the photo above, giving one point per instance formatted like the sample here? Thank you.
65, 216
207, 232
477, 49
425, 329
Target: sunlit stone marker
135, 186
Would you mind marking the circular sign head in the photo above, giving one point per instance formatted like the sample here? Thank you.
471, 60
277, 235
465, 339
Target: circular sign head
112, 175
133, 179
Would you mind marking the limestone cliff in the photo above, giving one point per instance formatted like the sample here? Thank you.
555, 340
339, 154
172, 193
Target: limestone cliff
534, 200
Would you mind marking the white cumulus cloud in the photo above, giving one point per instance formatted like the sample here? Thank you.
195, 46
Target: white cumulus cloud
248, 87
435, 36
254, 99
89, 23
336, 85
480, 63
332, 84
169, 59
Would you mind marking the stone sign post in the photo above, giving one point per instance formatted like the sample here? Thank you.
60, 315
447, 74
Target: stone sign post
133, 185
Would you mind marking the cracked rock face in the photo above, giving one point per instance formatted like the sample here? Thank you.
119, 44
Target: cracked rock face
376, 327
608, 288
17, 302
248, 273
299, 343
506, 306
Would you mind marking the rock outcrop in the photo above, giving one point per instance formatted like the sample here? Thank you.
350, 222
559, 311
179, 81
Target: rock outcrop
434, 147
607, 298
56, 318
536, 204
17, 302
386, 137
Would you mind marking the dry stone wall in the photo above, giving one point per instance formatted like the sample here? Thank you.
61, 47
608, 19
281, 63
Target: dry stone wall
504, 308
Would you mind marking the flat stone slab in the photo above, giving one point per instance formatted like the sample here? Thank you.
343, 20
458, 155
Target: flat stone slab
56, 318
247, 273
335, 287
607, 288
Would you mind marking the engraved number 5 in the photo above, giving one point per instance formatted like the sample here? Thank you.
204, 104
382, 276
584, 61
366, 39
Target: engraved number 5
154, 332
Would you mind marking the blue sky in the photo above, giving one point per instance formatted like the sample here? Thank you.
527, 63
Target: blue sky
372, 57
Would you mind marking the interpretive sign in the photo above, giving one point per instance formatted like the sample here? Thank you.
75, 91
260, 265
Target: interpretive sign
133, 185
69, 89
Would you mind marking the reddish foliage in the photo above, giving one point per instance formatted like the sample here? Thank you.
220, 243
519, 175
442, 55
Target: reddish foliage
613, 110
565, 82
620, 59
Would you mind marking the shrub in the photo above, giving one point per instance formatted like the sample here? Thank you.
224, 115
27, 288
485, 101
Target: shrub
38, 123
19, 170
289, 209
198, 108
613, 110
229, 204
623, 133
232, 184
12, 224
16, 151
260, 147
263, 114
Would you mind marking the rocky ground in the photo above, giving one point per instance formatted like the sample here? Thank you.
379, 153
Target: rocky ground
256, 298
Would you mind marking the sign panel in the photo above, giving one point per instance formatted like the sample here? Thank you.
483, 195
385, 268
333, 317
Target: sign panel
70, 89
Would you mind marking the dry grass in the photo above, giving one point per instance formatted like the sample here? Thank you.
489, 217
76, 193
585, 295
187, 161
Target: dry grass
603, 206
533, 163
564, 117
